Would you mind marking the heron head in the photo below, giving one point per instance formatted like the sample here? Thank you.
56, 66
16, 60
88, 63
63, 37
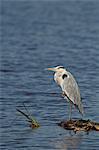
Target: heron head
55, 69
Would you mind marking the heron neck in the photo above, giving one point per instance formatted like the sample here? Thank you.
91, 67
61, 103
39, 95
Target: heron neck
58, 78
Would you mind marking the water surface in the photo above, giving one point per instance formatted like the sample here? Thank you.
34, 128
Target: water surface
37, 35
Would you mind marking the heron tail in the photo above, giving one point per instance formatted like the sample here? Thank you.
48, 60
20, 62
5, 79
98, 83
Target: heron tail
81, 109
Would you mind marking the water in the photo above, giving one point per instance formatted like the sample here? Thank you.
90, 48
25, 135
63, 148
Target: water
37, 35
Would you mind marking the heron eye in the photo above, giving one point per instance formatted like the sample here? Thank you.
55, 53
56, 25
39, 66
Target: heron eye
64, 76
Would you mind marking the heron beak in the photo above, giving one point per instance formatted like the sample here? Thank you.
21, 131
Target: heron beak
52, 69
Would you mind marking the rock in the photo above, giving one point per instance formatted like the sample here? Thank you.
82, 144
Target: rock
79, 125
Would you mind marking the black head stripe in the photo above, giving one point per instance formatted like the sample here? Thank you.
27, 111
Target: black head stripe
64, 76
60, 67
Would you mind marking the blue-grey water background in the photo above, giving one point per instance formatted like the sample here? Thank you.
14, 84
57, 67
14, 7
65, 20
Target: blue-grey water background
36, 35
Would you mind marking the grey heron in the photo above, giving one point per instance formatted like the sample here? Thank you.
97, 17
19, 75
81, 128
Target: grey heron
69, 86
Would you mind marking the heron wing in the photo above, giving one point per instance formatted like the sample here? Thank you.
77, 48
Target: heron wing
71, 89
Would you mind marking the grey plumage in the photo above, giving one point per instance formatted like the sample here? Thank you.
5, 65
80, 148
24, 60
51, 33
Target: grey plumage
70, 87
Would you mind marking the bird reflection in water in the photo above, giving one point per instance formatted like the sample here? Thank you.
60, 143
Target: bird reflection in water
69, 142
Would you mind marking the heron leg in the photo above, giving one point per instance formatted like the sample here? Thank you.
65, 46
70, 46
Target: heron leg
70, 112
